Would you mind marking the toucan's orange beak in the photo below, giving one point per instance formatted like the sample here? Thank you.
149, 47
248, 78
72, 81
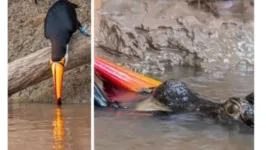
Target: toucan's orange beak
58, 73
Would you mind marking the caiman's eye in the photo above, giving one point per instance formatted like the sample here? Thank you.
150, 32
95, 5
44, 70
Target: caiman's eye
233, 109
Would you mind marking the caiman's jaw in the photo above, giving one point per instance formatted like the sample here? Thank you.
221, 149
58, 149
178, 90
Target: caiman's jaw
152, 105
240, 110
58, 73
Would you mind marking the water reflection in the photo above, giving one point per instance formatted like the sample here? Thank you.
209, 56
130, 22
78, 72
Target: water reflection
45, 127
58, 129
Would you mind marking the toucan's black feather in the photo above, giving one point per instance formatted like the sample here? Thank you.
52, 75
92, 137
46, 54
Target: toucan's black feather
60, 23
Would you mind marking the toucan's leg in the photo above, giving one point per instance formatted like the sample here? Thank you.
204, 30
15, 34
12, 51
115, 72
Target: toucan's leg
83, 30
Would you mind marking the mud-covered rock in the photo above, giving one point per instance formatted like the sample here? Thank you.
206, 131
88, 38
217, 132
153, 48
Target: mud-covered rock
156, 34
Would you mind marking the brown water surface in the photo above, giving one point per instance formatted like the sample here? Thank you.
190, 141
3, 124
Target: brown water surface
45, 127
128, 130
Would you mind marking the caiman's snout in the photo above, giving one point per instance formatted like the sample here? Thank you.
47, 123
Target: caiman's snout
58, 73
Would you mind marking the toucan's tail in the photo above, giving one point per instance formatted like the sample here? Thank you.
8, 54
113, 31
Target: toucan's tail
123, 77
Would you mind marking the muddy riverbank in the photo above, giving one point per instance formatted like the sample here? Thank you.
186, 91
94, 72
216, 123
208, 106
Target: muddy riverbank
151, 36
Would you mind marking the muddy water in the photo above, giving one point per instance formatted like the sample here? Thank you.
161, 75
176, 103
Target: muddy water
128, 130
45, 127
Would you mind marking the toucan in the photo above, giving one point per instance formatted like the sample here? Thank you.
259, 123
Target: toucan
60, 24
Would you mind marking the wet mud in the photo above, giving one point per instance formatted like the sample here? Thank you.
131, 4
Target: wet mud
150, 36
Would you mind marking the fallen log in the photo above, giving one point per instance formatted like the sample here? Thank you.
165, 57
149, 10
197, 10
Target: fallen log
35, 67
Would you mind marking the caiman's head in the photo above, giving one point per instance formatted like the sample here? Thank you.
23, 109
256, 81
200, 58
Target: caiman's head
238, 109
172, 95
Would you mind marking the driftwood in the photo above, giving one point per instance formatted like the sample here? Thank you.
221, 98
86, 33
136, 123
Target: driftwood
35, 67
